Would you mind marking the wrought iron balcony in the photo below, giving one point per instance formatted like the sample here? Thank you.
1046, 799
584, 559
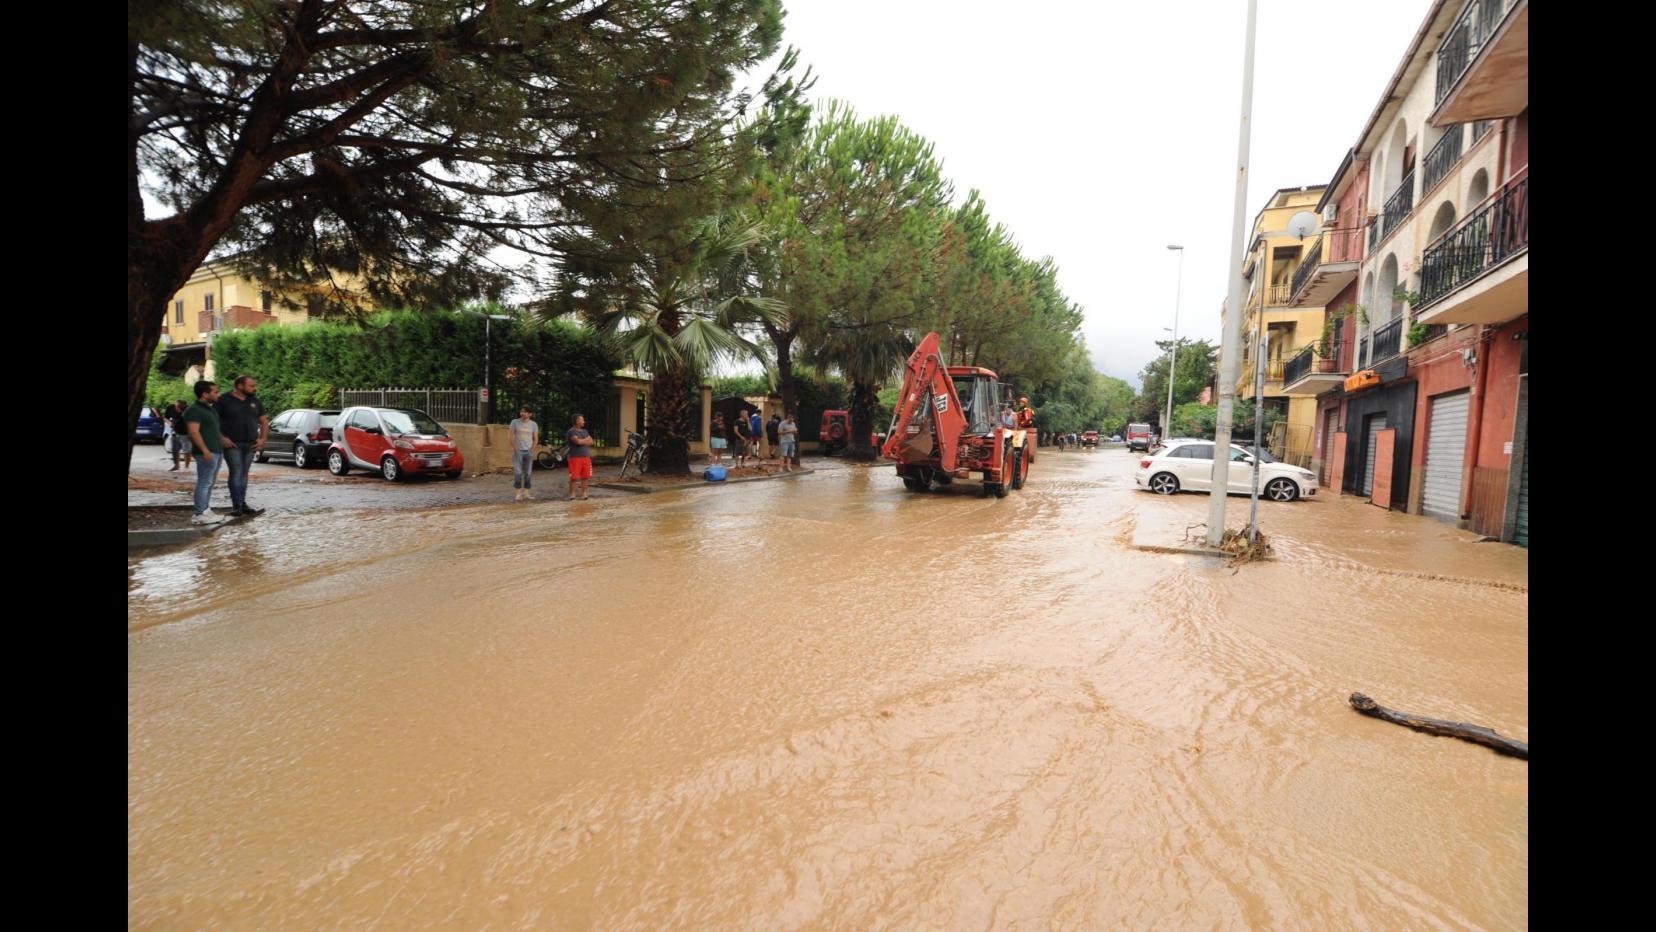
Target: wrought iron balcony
1398, 206
1494, 232
1443, 157
1387, 341
1461, 44
1308, 264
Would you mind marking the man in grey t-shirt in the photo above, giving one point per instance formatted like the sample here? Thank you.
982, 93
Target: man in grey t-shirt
525, 438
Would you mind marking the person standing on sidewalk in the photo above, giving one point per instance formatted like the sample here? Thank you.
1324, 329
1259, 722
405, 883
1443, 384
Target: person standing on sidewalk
525, 438
773, 432
756, 430
716, 444
744, 439
180, 439
245, 428
201, 422
580, 457
788, 432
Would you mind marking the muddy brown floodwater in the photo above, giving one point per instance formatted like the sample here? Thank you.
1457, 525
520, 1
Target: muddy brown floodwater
824, 702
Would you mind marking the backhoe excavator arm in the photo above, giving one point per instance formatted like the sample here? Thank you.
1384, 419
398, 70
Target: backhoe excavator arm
928, 410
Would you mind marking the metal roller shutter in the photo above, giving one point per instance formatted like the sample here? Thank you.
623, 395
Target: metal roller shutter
1376, 424
1446, 456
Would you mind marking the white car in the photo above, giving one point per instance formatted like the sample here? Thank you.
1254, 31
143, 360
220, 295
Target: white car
1188, 465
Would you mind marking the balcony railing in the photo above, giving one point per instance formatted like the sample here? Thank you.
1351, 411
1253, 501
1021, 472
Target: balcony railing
1461, 44
1494, 233
1315, 358
1278, 295
1398, 206
1362, 352
1387, 341
1308, 265
1481, 129
1443, 157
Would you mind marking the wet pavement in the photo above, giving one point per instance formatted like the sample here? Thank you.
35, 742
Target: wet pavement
824, 702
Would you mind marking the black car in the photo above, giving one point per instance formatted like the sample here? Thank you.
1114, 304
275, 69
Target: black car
303, 434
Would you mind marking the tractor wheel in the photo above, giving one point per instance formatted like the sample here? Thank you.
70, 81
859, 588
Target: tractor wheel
1019, 468
997, 489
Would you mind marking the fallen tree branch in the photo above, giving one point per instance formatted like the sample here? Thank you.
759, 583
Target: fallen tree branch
1437, 726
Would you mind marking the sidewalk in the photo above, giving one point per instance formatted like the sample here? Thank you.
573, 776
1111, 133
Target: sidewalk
280, 486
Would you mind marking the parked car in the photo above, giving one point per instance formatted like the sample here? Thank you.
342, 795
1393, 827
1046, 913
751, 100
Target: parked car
1188, 465
397, 442
151, 426
1138, 436
1089, 438
303, 434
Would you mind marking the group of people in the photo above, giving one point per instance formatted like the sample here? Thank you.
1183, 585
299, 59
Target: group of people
220, 429
743, 438
526, 436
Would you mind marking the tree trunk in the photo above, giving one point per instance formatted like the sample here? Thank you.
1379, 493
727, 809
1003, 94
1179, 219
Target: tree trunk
784, 370
670, 422
864, 399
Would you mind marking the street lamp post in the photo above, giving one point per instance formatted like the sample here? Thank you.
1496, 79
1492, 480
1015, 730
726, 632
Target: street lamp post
488, 373
1173, 353
1231, 346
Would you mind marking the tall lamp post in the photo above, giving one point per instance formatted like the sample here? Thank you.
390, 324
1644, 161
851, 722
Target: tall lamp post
1173, 354
488, 372
1231, 345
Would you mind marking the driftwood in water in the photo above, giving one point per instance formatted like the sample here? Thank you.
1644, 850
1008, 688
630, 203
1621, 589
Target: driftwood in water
1437, 726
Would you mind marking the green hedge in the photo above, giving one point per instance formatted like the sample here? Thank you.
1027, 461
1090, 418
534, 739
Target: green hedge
552, 365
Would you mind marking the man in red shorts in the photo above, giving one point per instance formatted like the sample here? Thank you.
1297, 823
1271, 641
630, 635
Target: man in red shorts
580, 458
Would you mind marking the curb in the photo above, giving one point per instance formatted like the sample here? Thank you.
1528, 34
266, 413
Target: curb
162, 536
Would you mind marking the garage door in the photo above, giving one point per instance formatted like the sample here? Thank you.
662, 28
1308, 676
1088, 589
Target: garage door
1376, 424
1520, 534
1446, 456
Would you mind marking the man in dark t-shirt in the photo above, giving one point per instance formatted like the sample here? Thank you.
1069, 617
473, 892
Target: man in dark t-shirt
242, 418
580, 457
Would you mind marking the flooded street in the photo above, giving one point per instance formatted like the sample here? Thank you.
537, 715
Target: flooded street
824, 702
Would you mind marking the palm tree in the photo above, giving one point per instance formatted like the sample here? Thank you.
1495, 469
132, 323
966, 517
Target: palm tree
680, 310
866, 353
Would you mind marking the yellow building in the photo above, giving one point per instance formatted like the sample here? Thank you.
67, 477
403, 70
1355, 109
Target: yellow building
1273, 257
219, 297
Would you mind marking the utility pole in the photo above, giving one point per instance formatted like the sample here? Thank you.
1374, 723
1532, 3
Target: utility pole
1231, 344
1173, 354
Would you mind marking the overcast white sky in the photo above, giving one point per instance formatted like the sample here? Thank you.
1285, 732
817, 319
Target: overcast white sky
1099, 133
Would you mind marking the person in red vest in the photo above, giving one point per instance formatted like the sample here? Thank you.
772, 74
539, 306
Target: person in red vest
1026, 414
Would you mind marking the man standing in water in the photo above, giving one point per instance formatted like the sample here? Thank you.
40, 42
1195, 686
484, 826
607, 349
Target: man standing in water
525, 438
580, 458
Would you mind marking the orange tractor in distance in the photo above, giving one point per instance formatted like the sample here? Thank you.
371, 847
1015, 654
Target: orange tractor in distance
948, 425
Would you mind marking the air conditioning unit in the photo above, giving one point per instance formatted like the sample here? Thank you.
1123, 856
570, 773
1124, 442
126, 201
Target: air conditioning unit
1331, 213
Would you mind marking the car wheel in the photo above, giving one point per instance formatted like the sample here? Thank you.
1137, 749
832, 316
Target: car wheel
301, 456
261, 457
1282, 490
452, 475
1164, 483
390, 469
337, 463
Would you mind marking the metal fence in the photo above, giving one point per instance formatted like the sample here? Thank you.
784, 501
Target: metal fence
452, 405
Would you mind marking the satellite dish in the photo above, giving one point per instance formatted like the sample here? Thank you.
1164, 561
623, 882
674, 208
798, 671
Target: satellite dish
1302, 224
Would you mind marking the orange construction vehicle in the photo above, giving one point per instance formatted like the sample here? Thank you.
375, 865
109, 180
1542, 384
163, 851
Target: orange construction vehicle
949, 424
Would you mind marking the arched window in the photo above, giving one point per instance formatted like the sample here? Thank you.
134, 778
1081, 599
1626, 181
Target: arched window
1442, 220
1479, 191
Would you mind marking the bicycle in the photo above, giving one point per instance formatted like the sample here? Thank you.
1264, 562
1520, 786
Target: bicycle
552, 457
638, 454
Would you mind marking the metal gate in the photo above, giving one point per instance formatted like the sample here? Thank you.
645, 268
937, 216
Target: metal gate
1376, 424
1331, 423
1520, 534
1446, 456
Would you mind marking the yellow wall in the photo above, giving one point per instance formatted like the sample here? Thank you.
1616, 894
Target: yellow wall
1307, 322
230, 288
